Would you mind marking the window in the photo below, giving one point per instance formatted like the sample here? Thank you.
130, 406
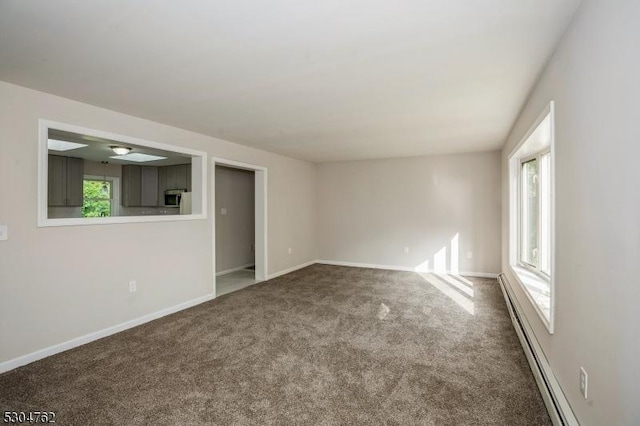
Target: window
531, 214
96, 198
535, 213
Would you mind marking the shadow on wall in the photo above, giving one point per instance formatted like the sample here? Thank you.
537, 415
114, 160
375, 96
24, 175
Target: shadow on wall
447, 280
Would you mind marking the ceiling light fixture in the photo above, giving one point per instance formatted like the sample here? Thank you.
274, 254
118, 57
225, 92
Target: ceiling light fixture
120, 150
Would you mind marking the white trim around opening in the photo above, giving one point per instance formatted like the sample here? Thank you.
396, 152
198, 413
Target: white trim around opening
535, 141
198, 173
261, 257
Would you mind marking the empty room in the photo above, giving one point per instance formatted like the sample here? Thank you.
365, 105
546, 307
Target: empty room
296, 212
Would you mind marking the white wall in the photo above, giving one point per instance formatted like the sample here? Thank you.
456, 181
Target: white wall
369, 211
59, 283
235, 230
594, 79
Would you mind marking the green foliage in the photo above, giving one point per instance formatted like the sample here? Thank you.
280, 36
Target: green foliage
96, 202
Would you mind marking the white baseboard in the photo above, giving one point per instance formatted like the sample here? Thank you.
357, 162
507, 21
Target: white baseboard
87, 338
557, 404
239, 268
289, 270
404, 268
365, 265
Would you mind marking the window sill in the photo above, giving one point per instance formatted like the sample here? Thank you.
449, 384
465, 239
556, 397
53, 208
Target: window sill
538, 290
79, 221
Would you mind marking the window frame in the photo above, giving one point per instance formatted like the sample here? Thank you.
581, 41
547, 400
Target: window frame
522, 263
115, 191
529, 278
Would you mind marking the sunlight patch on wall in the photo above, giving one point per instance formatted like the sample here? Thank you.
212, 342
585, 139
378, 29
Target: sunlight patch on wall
447, 280
423, 267
455, 267
440, 261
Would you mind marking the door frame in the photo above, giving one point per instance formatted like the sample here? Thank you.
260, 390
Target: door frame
260, 214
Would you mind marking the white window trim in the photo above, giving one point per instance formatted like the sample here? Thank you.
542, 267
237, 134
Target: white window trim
518, 269
199, 167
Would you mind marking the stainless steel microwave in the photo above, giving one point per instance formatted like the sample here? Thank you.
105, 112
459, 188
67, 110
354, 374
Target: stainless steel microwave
172, 197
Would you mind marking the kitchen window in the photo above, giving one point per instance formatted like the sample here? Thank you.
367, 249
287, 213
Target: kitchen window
100, 196
531, 215
96, 198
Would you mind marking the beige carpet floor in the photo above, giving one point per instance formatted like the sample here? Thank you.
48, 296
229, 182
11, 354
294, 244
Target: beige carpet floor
323, 345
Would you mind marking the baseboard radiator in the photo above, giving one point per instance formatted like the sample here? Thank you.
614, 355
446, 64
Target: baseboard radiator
557, 404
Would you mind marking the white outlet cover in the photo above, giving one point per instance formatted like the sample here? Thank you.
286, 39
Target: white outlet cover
469, 254
223, 211
406, 250
4, 233
584, 382
133, 286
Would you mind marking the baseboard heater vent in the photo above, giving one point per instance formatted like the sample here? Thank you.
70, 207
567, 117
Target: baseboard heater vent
557, 404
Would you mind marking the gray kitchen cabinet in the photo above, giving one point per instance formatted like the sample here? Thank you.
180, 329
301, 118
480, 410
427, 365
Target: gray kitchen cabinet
162, 184
149, 186
189, 186
139, 186
75, 180
65, 178
176, 176
173, 177
57, 193
131, 186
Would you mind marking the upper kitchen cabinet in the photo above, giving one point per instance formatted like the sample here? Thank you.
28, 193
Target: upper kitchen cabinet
174, 177
149, 186
65, 181
162, 183
178, 177
139, 186
189, 187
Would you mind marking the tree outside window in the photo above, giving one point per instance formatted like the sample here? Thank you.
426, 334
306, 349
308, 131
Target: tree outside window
97, 196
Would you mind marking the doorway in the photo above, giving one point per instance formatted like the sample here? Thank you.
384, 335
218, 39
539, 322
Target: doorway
239, 225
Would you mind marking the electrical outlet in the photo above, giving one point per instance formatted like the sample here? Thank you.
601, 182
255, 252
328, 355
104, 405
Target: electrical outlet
223, 211
583, 382
133, 286
469, 254
290, 250
4, 233
406, 250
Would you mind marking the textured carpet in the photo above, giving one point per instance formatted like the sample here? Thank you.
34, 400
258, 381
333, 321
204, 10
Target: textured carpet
323, 345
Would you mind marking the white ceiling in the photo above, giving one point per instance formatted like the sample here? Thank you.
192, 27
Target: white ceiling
317, 80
